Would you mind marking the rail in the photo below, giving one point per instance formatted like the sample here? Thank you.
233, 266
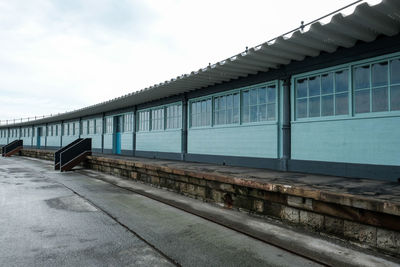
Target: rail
75, 154
58, 152
12, 148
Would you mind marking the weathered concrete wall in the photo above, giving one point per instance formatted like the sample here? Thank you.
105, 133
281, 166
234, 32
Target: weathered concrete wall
356, 219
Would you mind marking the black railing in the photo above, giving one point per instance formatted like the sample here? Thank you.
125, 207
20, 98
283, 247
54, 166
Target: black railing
73, 155
13, 146
58, 152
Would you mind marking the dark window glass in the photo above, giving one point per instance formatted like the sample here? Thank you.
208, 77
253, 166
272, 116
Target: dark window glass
362, 101
314, 86
253, 113
327, 105
395, 71
253, 97
301, 108
342, 81
380, 74
327, 83
301, 88
380, 99
395, 98
361, 77
314, 106
262, 95
262, 112
271, 111
236, 105
271, 94
342, 104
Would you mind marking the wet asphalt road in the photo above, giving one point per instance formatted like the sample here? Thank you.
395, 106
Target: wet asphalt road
48, 218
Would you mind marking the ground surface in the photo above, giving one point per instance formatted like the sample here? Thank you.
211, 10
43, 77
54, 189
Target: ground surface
48, 218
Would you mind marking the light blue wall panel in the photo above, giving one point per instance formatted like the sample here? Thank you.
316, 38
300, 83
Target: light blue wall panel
163, 141
67, 139
249, 141
368, 141
127, 141
27, 141
108, 141
3, 141
54, 141
96, 140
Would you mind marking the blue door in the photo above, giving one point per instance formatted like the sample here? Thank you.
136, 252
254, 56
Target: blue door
117, 135
39, 134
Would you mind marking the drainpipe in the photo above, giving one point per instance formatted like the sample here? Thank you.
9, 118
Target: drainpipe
286, 139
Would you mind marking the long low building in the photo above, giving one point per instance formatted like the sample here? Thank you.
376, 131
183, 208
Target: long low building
322, 99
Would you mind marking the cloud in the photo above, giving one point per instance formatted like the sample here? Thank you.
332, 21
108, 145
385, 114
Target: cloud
58, 55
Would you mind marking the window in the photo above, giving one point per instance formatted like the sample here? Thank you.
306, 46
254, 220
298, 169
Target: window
71, 128
85, 127
98, 125
109, 125
157, 119
258, 104
226, 109
128, 122
174, 116
322, 95
201, 113
91, 126
377, 87
144, 120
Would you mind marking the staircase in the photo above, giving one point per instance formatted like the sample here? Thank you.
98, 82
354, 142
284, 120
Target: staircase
71, 155
12, 148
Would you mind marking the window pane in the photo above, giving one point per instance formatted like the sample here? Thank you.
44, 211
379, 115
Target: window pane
253, 97
342, 104
203, 106
395, 71
314, 86
245, 99
222, 117
361, 101
222, 102
198, 107
271, 111
229, 116
253, 113
262, 95
380, 74
194, 108
204, 115
229, 101
301, 88
271, 94
395, 98
361, 77
342, 81
314, 107
301, 108
327, 105
327, 83
380, 99
235, 115
262, 112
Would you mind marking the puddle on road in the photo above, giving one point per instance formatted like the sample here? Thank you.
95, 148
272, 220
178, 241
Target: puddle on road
70, 203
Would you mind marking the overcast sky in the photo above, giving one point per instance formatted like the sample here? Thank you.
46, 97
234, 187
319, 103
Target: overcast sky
60, 55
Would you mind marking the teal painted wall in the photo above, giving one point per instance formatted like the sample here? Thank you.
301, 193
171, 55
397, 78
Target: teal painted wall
366, 140
250, 141
162, 141
96, 139
127, 141
67, 139
54, 141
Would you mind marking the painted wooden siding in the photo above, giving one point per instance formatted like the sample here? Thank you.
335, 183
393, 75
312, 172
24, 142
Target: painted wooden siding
162, 141
127, 141
27, 141
248, 141
3, 141
368, 141
54, 141
96, 140
108, 141
67, 139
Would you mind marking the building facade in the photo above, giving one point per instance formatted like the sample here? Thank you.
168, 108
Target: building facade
323, 100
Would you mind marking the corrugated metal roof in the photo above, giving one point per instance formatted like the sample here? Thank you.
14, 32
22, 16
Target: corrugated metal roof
365, 24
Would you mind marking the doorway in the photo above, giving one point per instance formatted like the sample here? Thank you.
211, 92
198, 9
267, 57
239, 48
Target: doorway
118, 122
38, 136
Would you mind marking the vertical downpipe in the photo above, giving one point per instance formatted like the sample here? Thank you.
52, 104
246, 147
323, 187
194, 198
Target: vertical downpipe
286, 140
184, 134
134, 131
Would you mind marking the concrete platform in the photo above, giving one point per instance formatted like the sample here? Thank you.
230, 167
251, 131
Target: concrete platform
363, 211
